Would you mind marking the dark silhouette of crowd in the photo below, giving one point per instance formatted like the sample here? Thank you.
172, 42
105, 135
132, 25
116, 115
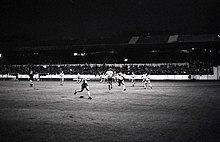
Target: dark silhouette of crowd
196, 68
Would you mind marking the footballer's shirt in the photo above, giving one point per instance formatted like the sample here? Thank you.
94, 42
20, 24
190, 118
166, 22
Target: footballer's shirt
146, 78
120, 77
84, 82
109, 74
62, 75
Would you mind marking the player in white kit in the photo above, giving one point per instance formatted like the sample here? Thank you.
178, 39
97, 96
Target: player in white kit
109, 75
121, 81
146, 80
78, 78
133, 79
31, 78
61, 78
102, 78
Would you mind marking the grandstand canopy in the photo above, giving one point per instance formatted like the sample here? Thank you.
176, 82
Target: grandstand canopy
118, 42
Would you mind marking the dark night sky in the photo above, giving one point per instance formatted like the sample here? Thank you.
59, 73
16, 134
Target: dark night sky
58, 19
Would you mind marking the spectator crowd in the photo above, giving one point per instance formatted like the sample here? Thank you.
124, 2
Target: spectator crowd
198, 68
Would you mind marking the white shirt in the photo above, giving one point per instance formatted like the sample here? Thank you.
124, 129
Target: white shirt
62, 75
109, 74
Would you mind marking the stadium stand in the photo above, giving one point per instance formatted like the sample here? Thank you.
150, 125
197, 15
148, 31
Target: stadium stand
154, 54
94, 69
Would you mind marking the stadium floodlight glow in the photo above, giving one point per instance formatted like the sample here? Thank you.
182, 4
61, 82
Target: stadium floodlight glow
126, 60
0, 55
218, 35
83, 54
79, 54
184, 51
192, 48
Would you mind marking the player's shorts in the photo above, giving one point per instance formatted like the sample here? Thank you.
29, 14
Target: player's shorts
147, 82
31, 77
85, 86
120, 82
109, 79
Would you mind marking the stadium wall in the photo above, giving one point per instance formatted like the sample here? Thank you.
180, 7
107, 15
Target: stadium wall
215, 76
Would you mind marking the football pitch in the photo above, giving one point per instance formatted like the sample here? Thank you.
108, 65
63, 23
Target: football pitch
170, 112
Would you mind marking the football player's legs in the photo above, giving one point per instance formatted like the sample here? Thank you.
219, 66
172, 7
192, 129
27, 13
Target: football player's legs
31, 82
150, 84
122, 82
123, 85
119, 82
110, 83
87, 88
61, 81
133, 81
80, 90
145, 85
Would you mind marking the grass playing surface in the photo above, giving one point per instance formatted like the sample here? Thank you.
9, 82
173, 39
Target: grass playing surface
171, 111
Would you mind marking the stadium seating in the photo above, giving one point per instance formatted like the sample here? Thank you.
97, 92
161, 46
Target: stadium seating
198, 68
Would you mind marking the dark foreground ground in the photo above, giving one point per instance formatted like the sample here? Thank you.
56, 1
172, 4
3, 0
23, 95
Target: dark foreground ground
170, 112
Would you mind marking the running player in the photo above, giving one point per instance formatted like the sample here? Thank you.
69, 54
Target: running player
121, 81
146, 80
31, 78
84, 86
109, 75
133, 79
78, 78
102, 78
115, 77
61, 78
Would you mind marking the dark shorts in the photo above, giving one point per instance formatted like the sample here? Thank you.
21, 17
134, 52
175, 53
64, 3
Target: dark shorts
120, 82
109, 79
31, 77
84, 86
